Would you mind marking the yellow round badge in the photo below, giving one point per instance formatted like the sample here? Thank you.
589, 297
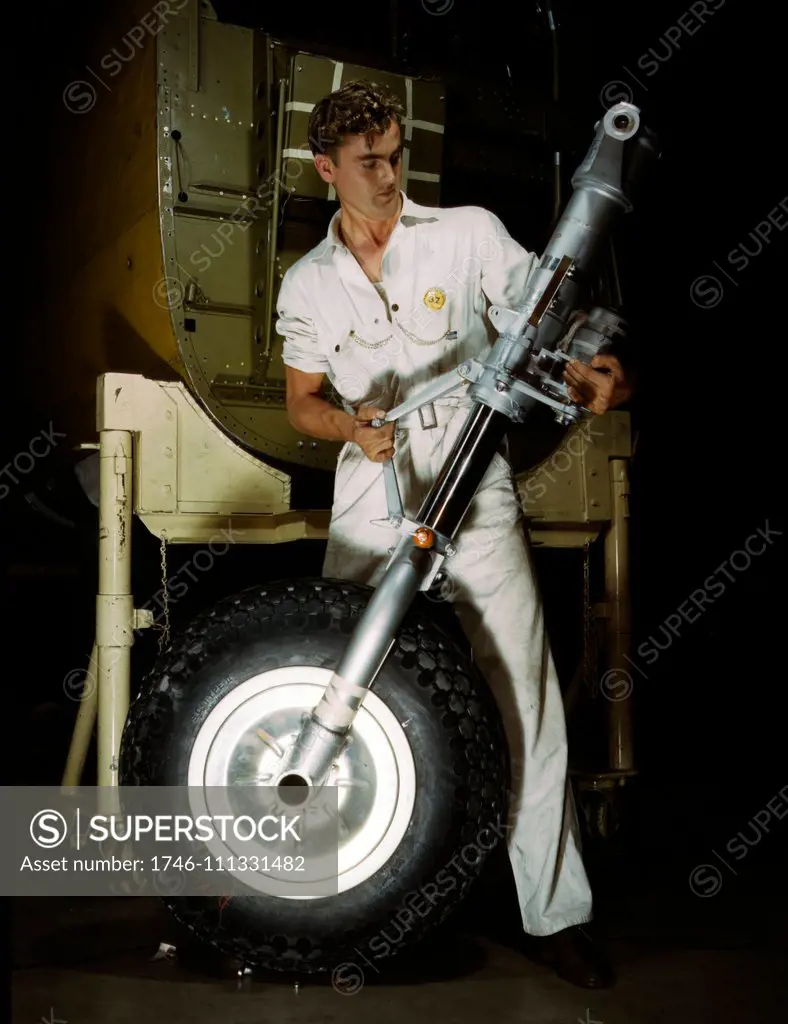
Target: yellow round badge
435, 298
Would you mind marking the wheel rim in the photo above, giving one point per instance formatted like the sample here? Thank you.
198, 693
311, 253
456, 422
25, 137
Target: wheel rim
240, 744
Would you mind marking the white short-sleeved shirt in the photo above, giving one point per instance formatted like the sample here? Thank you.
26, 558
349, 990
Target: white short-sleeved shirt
335, 321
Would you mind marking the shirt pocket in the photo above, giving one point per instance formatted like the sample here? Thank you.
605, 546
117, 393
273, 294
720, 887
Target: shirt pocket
426, 327
432, 324
364, 357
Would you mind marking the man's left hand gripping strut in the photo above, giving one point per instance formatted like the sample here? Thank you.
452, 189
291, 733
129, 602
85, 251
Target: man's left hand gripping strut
600, 386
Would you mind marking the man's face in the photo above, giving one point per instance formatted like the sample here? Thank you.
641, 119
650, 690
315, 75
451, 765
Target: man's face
369, 173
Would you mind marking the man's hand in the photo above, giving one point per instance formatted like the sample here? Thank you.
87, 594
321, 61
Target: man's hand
600, 386
377, 443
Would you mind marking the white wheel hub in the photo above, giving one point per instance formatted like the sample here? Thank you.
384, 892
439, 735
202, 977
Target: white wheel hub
241, 744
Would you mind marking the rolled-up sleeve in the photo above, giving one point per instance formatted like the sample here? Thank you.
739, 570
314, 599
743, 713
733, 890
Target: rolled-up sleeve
506, 265
301, 345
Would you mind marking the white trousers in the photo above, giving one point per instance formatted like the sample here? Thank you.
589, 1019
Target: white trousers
493, 589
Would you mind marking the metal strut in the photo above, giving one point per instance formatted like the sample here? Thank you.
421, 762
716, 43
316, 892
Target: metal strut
523, 369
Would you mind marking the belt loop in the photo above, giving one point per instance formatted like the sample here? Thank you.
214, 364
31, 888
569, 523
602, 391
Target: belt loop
427, 412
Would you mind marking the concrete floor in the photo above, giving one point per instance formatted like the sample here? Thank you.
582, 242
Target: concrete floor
680, 961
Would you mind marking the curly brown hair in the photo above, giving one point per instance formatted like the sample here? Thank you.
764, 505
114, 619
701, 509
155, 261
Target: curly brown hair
358, 108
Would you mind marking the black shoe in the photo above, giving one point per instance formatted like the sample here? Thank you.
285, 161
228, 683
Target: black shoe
573, 956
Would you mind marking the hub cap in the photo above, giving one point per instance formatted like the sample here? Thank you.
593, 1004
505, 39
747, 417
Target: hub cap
241, 744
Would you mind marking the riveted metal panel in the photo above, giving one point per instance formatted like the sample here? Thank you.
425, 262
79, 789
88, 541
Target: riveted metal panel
220, 195
571, 487
235, 170
312, 77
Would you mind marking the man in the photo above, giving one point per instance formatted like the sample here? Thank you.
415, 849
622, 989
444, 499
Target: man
396, 294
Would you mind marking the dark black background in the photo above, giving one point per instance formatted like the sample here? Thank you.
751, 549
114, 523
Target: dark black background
709, 469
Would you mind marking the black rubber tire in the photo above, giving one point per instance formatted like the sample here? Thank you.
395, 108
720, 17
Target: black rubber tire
456, 737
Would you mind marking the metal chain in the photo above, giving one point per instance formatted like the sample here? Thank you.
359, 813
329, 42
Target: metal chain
589, 627
164, 635
369, 344
422, 341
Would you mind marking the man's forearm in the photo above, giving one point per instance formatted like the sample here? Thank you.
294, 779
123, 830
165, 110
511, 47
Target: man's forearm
316, 417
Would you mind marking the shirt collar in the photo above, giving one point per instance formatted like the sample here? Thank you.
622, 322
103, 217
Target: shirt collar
409, 214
